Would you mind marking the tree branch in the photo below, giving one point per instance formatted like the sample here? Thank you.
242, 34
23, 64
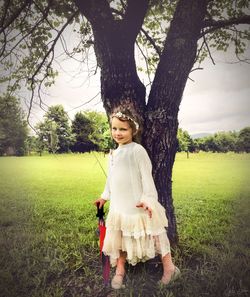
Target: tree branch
45, 12
210, 55
213, 25
6, 6
150, 39
134, 15
14, 16
98, 12
34, 27
146, 61
54, 43
51, 50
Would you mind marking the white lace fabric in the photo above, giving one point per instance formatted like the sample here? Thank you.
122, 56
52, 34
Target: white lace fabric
129, 228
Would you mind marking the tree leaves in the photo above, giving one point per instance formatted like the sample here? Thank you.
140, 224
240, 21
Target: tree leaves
13, 127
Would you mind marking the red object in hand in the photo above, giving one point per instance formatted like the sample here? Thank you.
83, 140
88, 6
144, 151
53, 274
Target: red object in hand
102, 233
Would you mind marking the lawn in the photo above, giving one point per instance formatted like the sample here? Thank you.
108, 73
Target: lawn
48, 241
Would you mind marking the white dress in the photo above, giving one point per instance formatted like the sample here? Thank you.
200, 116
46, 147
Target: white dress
129, 228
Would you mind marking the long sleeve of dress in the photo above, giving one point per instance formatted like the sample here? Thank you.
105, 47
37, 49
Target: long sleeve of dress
149, 193
106, 192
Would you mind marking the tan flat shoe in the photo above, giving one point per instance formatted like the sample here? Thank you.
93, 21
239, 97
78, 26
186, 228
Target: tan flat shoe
117, 282
166, 281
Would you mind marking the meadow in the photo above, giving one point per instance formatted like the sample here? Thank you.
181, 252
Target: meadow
48, 241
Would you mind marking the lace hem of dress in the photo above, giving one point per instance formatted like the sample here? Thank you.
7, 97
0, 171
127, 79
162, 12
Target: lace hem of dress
137, 249
138, 224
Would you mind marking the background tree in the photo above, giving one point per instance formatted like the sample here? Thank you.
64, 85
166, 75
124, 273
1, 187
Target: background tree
220, 142
225, 141
54, 133
92, 131
244, 140
54, 139
31, 144
59, 131
101, 130
177, 34
13, 126
82, 128
185, 142
42, 137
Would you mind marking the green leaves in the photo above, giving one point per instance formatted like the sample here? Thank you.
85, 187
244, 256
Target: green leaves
13, 127
91, 131
54, 133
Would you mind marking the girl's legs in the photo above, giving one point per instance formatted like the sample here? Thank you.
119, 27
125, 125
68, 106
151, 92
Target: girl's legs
120, 266
169, 269
117, 281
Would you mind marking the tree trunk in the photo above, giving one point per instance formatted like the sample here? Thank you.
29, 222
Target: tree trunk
161, 121
120, 84
114, 41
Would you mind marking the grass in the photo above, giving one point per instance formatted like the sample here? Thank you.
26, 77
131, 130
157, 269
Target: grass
48, 245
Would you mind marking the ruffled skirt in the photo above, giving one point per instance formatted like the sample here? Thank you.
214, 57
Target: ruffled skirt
141, 237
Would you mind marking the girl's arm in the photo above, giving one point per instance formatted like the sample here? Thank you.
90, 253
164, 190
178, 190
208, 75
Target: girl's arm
149, 193
106, 192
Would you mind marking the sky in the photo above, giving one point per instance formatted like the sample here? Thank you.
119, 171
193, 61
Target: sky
218, 98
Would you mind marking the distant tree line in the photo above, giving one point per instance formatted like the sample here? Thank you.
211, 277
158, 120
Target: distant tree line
89, 131
220, 142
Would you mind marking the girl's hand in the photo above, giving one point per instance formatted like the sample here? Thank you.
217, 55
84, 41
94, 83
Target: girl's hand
146, 208
100, 201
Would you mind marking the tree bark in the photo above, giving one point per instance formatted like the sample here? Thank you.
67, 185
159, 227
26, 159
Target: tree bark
120, 84
114, 41
161, 122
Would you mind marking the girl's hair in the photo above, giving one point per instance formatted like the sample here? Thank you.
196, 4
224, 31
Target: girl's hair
126, 116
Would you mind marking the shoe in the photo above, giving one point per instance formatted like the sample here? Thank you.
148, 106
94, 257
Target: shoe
176, 274
117, 282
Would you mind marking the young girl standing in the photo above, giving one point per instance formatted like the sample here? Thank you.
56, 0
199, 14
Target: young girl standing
136, 220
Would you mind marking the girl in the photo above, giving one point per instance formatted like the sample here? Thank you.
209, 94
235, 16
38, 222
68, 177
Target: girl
136, 220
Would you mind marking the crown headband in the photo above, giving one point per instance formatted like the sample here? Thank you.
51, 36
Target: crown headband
119, 114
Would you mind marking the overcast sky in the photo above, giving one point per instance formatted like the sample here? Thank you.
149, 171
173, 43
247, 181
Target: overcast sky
217, 100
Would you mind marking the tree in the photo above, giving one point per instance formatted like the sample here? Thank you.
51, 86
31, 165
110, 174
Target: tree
244, 140
221, 142
178, 34
185, 142
42, 137
31, 144
82, 127
54, 138
54, 133
225, 141
92, 131
13, 126
101, 130
59, 131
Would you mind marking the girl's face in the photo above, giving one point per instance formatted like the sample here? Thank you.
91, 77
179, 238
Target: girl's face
121, 131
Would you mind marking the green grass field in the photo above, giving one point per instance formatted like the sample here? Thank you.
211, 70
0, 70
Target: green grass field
48, 245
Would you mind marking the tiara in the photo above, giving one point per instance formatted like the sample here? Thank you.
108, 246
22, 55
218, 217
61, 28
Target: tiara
119, 114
